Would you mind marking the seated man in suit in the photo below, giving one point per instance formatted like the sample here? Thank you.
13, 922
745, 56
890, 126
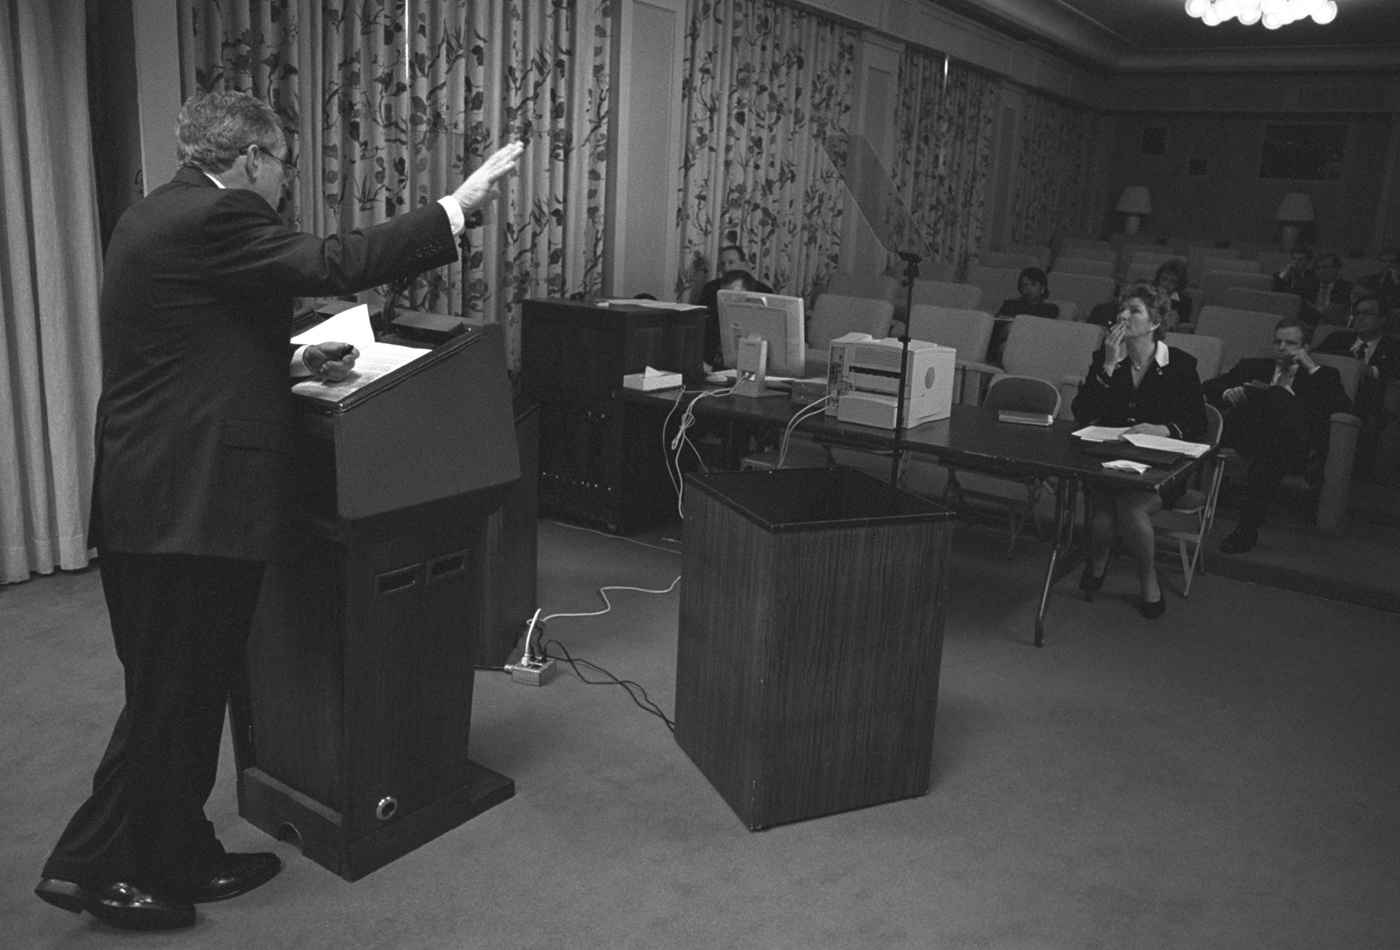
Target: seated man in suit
1298, 277
1381, 354
1386, 282
1331, 297
1277, 414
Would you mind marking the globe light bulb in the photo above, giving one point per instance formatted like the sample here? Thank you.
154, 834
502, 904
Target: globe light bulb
1196, 7
1271, 7
1250, 17
1326, 13
1211, 17
1227, 9
1272, 21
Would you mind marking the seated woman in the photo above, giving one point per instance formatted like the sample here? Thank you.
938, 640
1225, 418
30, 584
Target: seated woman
1171, 277
1139, 382
1034, 287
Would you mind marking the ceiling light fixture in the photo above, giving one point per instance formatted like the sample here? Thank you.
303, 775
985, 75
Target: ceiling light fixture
1272, 13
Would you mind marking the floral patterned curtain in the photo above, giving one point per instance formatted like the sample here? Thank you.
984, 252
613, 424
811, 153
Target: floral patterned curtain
1051, 174
765, 85
387, 104
946, 118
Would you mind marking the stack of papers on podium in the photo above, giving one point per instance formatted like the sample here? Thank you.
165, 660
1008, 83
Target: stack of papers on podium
375, 359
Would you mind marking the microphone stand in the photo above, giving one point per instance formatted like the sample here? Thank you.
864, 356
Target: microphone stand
911, 273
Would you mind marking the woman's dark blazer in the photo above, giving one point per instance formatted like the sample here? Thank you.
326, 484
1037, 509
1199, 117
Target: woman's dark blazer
1168, 395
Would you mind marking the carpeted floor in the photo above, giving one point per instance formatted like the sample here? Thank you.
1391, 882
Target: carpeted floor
1224, 777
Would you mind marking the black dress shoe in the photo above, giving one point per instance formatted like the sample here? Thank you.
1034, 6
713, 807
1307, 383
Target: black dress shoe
1241, 540
1088, 582
117, 903
237, 874
1152, 609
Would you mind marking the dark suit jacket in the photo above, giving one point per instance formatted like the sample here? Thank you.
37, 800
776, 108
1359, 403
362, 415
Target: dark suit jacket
1168, 395
1016, 306
1370, 394
1320, 394
195, 421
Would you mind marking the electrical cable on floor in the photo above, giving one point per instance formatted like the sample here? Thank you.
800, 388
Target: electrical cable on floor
645, 702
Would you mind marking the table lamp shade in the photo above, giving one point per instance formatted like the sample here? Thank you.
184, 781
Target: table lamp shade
1134, 200
1296, 207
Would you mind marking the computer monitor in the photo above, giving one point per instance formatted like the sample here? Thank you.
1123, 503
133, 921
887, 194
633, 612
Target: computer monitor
775, 318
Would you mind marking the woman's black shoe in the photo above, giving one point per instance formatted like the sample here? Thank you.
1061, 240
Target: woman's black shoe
1152, 609
1088, 583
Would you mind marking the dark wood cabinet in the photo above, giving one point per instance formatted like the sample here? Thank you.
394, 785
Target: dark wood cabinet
811, 638
602, 459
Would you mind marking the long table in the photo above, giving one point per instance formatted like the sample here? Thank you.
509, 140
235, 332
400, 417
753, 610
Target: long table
971, 437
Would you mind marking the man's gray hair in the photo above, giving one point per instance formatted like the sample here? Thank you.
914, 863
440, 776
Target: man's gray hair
213, 128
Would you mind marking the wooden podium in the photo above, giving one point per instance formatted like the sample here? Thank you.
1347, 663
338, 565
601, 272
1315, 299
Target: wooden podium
811, 637
351, 734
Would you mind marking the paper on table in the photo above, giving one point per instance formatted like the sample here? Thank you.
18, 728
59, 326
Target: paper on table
1164, 444
349, 326
375, 360
1101, 433
1125, 465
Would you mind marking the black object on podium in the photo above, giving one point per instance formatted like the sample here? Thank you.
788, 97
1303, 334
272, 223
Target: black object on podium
601, 458
811, 637
351, 734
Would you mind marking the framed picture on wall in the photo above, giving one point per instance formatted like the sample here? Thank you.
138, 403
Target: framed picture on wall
1303, 151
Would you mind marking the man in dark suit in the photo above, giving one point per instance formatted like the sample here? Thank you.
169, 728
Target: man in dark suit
193, 429
1385, 283
1381, 354
1329, 296
1298, 277
1277, 415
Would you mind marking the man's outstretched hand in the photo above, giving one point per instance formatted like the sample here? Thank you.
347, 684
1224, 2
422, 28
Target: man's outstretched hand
480, 187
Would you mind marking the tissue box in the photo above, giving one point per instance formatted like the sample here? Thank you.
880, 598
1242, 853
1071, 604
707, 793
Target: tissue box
646, 383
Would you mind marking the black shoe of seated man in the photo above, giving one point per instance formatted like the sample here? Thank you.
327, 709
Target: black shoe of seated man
236, 874
1088, 581
1241, 540
119, 904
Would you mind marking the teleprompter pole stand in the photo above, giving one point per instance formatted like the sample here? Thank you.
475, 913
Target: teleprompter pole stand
911, 273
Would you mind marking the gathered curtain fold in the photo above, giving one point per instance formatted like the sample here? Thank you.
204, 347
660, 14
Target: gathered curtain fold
945, 117
765, 84
50, 272
1052, 171
388, 104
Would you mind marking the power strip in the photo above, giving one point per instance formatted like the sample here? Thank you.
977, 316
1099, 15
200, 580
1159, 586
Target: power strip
533, 672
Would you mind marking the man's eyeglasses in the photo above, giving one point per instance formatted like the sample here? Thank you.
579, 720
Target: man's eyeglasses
289, 170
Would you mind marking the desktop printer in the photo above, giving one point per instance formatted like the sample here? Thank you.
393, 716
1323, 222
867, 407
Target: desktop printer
863, 380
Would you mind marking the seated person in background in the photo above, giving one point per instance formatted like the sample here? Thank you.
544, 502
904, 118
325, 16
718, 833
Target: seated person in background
734, 280
1277, 415
1381, 354
1171, 277
1331, 296
1297, 277
1386, 282
731, 258
1137, 381
1034, 287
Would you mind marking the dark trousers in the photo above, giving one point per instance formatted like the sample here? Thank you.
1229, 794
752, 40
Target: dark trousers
1271, 430
180, 624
